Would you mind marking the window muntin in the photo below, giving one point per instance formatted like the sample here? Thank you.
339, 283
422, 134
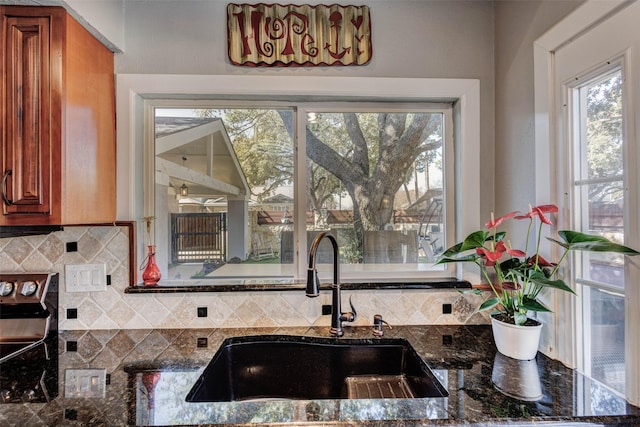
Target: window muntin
273, 197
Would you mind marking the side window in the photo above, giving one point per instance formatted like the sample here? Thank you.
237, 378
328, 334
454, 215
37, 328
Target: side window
599, 201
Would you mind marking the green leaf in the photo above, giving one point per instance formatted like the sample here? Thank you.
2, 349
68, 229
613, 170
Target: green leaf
453, 250
520, 318
466, 258
540, 279
575, 240
500, 235
490, 303
471, 291
532, 304
474, 240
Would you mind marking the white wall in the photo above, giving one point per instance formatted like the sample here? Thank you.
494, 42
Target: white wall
105, 16
518, 25
432, 39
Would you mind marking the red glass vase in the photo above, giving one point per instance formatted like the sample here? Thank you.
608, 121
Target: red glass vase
151, 274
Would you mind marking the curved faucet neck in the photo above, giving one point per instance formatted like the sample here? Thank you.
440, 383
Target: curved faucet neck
336, 261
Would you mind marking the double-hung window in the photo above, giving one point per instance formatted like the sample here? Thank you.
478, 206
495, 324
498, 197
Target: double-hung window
599, 200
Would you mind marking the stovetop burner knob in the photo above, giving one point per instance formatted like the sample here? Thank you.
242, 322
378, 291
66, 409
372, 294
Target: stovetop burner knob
28, 395
29, 287
6, 288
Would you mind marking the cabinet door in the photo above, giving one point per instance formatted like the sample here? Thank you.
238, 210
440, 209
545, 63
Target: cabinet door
26, 143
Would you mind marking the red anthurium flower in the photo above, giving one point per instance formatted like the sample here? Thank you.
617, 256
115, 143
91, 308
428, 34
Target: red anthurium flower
491, 257
501, 247
541, 262
540, 211
516, 253
494, 223
511, 286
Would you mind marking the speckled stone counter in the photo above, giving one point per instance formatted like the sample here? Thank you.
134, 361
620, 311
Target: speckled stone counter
141, 377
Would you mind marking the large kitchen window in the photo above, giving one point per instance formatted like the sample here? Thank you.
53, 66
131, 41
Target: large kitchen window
236, 198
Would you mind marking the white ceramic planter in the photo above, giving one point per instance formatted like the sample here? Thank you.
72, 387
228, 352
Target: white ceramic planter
518, 342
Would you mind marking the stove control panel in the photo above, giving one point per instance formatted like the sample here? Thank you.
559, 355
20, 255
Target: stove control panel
20, 288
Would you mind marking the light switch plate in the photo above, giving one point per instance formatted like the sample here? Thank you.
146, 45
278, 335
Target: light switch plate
85, 277
85, 383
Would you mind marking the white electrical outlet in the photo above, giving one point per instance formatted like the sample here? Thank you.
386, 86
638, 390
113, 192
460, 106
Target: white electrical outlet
85, 383
85, 277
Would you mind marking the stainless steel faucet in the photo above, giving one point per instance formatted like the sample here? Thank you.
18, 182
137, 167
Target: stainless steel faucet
313, 285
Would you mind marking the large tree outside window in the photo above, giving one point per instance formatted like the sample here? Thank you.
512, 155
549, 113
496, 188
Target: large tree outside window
375, 178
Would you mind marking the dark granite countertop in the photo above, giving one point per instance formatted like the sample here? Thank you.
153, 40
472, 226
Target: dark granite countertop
141, 377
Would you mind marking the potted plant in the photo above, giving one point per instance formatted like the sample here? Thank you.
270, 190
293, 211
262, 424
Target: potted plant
516, 277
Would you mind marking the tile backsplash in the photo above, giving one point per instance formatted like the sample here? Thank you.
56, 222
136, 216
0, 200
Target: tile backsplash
113, 309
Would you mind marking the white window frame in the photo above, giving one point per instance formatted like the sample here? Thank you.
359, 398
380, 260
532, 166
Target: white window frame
134, 89
410, 272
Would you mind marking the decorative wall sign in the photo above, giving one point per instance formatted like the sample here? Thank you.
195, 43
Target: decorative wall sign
298, 35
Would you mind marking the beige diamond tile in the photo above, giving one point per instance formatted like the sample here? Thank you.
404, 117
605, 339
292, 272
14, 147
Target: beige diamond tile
154, 313
74, 258
186, 311
89, 246
122, 314
106, 299
106, 257
104, 336
171, 322
52, 248
104, 322
138, 322
18, 250
234, 300
37, 239
103, 234
107, 360
121, 344
71, 233
89, 312
249, 312
264, 322
71, 300
170, 301
232, 321
36, 262
278, 310
119, 277
219, 312
7, 263
119, 244
89, 347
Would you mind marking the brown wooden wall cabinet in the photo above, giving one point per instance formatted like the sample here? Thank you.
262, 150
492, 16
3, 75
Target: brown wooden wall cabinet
58, 120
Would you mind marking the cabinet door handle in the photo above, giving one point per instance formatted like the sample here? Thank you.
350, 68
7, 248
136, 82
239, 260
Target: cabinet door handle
5, 199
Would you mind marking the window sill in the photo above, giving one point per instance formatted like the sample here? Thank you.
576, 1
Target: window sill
176, 286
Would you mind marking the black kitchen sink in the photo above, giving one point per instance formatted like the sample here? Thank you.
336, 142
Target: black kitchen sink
297, 367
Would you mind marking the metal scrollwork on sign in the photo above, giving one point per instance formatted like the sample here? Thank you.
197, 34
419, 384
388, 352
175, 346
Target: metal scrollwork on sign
298, 35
